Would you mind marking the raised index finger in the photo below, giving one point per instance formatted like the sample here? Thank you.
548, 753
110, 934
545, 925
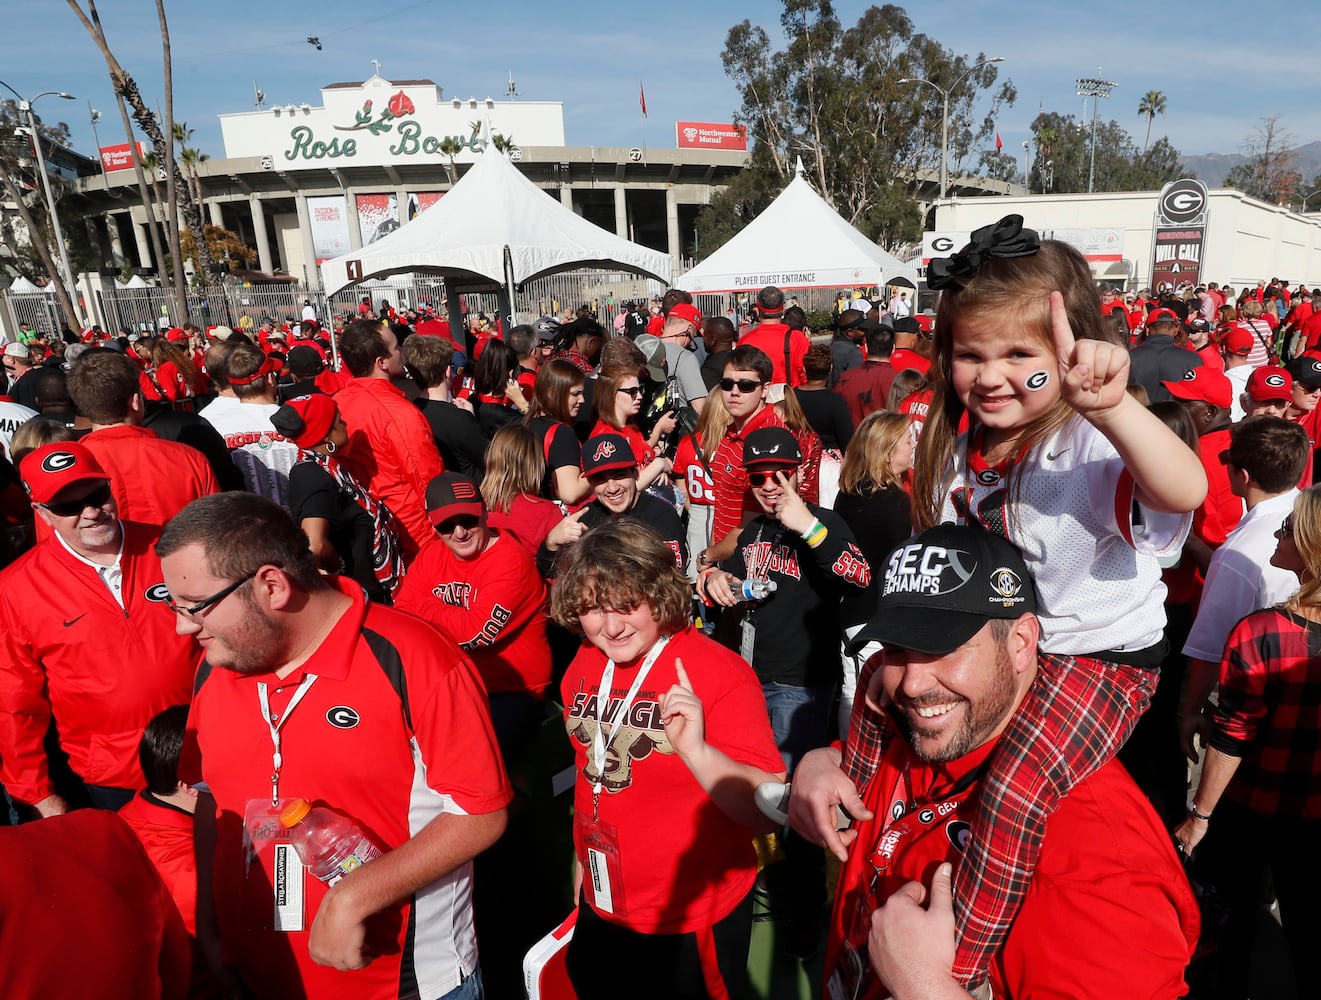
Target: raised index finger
682, 675
1060, 329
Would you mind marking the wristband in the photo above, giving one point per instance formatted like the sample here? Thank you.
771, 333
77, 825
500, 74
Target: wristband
1192, 811
815, 535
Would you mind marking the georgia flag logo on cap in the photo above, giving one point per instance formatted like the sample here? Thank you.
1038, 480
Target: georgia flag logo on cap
1274, 381
603, 451
58, 461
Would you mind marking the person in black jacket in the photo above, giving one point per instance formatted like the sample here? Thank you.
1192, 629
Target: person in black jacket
612, 470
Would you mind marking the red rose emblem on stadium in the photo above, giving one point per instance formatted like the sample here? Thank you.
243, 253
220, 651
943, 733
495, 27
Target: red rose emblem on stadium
401, 104
603, 451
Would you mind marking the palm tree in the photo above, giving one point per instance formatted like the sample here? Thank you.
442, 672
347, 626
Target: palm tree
451, 147
502, 143
1151, 105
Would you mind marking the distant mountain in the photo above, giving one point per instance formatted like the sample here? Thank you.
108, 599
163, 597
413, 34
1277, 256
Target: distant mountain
1213, 168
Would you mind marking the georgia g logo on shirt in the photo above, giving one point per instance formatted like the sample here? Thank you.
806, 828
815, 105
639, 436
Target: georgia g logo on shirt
343, 717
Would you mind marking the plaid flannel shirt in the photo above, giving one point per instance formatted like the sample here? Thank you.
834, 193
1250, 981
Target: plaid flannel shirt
1267, 716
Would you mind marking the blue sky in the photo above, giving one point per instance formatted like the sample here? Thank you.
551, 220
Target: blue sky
1221, 66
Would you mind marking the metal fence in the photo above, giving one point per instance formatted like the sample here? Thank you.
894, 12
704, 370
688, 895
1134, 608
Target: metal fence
143, 309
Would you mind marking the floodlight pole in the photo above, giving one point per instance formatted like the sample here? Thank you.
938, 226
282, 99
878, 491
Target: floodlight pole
1095, 89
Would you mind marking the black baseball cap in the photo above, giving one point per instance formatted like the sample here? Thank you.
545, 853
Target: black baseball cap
606, 453
941, 587
451, 495
772, 446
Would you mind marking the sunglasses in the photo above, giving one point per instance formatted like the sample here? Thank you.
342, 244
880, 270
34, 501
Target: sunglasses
744, 384
72, 508
759, 479
467, 522
1286, 527
208, 602
1307, 387
632, 391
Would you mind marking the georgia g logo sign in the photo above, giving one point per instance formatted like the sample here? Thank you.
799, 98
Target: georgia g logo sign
1183, 201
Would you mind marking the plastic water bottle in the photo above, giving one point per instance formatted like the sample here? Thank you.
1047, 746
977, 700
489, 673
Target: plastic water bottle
330, 844
755, 589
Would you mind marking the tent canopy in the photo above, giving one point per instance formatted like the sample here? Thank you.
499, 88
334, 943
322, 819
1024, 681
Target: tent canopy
494, 208
799, 241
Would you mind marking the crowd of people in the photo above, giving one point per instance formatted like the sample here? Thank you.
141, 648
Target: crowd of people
952, 597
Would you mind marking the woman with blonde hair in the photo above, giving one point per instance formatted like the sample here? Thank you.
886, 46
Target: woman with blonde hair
515, 470
1260, 784
873, 500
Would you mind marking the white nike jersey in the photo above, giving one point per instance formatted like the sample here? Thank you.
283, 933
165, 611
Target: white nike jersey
1092, 553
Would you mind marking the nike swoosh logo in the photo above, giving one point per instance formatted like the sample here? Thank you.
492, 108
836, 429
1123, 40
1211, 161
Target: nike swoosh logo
74, 621
1051, 456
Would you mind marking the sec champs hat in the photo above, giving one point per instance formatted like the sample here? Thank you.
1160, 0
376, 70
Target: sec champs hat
607, 452
47, 470
451, 495
1270, 383
941, 587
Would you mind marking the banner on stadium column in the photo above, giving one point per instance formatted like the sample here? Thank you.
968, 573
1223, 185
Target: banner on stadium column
118, 157
1177, 255
420, 201
378, 216
710, 135
329, 220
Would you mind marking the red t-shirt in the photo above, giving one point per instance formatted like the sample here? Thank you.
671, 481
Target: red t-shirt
166, 833
352, 743
1104, 834
770, 338
683, 863
493, 606
1311, 330
689, 468
1221, 511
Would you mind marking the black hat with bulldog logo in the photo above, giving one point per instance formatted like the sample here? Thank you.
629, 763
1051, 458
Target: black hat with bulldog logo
940, 588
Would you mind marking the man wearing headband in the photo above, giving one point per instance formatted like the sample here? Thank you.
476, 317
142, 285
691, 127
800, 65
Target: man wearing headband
785, 347
957, 617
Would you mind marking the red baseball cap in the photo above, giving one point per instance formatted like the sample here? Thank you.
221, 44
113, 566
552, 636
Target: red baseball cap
685, 311
1161, 316
306, 420
1205, 385
48, 470
1270, 383
1237, 340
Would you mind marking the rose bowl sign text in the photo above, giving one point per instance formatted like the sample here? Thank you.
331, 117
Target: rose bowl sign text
705, 135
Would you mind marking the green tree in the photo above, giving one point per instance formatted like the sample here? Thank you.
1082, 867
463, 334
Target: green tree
1270, 172
833, 96
1151, 105
1063, 158
26, 228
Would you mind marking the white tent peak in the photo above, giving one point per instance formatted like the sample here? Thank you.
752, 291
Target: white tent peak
799, 241
798, 168
464, 236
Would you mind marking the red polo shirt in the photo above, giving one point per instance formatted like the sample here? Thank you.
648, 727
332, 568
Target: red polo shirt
393, 761
733, 497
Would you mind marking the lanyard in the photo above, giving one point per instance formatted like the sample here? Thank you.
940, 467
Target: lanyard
276, 723
602, 740
917, 815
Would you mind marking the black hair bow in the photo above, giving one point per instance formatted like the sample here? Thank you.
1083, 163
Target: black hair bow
1006, 238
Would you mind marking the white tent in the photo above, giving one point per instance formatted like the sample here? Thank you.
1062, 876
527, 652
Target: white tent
799, 241
493, 217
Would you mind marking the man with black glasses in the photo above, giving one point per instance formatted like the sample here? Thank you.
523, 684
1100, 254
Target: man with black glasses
309, 691
87, 638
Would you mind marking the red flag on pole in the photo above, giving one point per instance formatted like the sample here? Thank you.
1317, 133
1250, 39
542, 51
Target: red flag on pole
998, 144
642, 100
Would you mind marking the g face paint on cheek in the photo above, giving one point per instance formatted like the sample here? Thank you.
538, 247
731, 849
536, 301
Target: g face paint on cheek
1037, 381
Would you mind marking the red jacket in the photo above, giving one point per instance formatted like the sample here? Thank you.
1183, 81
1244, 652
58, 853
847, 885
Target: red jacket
770, 337
391, 452
68, 649
152, 479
